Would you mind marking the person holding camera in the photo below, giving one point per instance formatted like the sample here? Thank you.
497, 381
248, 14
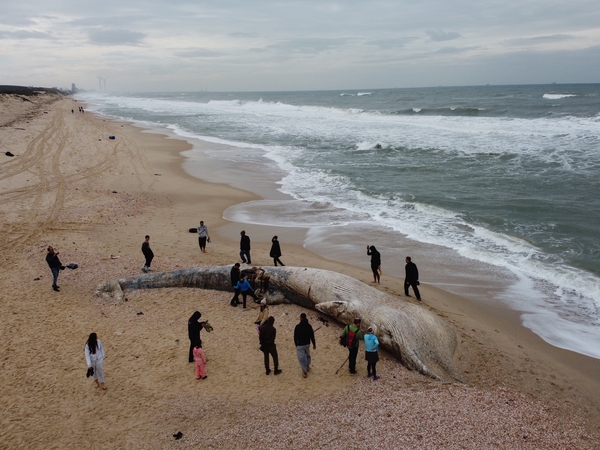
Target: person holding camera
55, 267
194, 328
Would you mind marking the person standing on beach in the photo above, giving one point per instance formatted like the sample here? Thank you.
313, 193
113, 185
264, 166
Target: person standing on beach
194, 328
203, 236
55, 266
94, 356
411, 278
371, 353
263, 315
266, 338
275, 252
245, 248
148, 254
235, 277
351, 337
200, 359
303, 336
375, 262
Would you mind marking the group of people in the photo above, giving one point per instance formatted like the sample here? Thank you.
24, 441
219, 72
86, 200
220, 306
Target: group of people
411, 278
275, 252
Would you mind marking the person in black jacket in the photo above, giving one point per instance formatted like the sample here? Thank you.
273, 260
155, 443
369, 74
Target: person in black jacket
375, 262
411, 278
303, 336
245, 247
148, 254
235, 277
55, 266
275, 252
194, 328
266, 338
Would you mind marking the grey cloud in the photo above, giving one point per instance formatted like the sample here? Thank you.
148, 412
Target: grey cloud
540, 39
453, 50
308, 45
199, 53
243, 35
24, 34
439, 35
386, 44
115, 36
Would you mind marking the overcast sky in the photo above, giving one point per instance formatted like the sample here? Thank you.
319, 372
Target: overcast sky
187, 45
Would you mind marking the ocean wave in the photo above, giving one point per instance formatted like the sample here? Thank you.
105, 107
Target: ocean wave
558, 96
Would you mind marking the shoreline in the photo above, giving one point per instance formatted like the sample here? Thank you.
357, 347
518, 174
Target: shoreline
93, 198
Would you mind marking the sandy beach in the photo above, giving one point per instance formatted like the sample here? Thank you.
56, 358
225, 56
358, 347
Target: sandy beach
93, 198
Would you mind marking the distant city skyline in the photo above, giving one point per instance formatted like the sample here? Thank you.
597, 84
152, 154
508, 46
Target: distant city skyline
185, 45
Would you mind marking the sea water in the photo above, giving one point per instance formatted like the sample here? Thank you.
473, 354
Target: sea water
493, 190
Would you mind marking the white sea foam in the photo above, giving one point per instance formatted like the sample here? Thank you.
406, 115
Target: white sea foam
558, 96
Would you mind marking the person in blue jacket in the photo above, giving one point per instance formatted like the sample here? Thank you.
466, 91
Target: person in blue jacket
371, 353
244, 286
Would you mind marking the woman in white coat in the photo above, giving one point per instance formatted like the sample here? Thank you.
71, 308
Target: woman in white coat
94, 356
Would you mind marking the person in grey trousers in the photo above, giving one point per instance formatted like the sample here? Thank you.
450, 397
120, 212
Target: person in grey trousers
303, 336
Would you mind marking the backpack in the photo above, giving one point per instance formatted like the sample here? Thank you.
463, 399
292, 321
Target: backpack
352, 337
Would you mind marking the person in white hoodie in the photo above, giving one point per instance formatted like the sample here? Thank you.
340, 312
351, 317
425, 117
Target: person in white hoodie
94, 356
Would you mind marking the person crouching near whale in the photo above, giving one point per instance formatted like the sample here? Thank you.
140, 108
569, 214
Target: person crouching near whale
244, 286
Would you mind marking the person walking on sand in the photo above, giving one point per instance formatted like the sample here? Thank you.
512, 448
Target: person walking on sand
351, 337
371, 353
235, 277
201, 360
275, 252
245, 248
266, 338
148, 254
55, 267
303, 336
244, 286
263, 315
375, 262
94, 356
411, 278
194, 328
203, 236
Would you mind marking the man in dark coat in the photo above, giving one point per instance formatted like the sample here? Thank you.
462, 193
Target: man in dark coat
411, 278
266, 338
55, 265
245, 248
303, 336
148, 254
235, 277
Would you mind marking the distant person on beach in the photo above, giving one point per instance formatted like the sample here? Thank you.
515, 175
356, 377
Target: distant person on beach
275, 251
245, 248
263, 315
371, 353
244, 286
351, 337
266, 338
94, 356
194, 328
203, 236
235, 277
55, 266
411, 278
375, 262
148, 254
200, 359
303, 336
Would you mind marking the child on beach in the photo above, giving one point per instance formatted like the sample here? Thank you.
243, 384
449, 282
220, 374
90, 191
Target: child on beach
201, 360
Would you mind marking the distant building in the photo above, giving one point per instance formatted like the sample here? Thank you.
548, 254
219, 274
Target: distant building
73, 88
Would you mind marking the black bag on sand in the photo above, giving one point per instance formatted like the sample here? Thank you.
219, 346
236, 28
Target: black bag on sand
90, 372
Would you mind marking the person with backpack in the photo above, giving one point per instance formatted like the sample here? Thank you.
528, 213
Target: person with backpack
350, 338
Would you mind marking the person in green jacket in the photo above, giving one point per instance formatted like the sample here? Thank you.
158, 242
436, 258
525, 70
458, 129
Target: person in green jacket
351, 336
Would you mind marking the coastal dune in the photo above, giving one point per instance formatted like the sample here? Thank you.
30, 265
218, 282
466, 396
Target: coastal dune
94, 199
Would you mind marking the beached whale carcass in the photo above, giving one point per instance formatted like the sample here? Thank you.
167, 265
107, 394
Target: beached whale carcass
420, 339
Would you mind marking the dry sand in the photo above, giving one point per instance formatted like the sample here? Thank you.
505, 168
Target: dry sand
69, 186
